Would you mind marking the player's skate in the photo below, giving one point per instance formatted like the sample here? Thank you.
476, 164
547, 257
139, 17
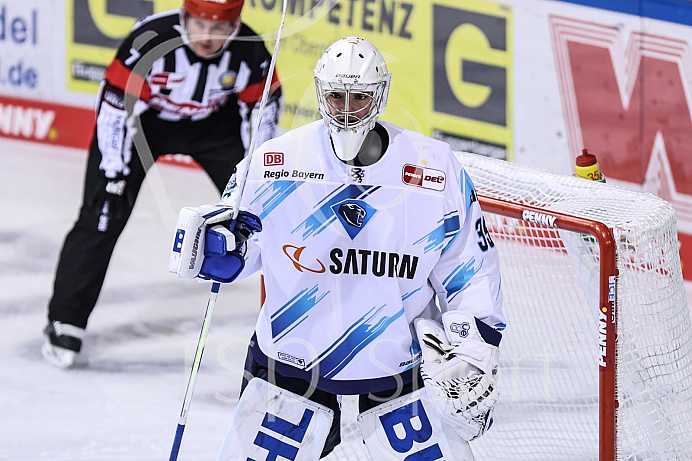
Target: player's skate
63, 342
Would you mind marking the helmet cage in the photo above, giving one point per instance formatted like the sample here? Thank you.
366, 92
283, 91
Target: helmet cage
344, 116
352, 69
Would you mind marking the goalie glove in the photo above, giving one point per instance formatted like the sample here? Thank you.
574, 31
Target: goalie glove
459, 370
209, 245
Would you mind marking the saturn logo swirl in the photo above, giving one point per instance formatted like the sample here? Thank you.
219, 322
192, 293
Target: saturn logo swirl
294, 252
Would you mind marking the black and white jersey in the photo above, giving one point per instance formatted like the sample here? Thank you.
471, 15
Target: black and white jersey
154, 65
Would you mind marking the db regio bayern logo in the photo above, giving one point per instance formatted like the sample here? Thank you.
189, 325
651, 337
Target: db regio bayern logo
461, 328
273, 158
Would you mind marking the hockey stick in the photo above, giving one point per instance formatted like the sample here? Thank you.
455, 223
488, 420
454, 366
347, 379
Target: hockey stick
263, 102
216, 285
195, 369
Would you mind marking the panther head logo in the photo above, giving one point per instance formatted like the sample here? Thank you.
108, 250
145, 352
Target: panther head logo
352, 213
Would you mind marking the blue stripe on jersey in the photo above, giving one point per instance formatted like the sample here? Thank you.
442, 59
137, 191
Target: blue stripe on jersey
358, 336
324, 215
291, 312
277, 192
408, 295
469, 190
459, 278
446, 231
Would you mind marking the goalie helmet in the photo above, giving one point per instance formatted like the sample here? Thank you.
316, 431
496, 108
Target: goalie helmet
352, 84
211, 10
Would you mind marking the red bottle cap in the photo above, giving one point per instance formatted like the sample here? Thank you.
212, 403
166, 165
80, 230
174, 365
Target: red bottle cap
586, 159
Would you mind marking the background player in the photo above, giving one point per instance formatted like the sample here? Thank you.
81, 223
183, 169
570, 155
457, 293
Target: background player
183, 81
363, 229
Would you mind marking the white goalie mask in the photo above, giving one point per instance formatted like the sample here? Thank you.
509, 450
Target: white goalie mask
352, 84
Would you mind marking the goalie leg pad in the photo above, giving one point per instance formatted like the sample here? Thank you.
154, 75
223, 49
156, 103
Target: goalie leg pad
408, 428
272, 423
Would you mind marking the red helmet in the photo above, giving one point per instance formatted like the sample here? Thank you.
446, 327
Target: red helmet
215, 10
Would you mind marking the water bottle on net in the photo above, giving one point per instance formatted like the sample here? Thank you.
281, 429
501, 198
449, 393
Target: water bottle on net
587, 167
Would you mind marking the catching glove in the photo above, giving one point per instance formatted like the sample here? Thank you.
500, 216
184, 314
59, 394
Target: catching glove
210, 246
459, 370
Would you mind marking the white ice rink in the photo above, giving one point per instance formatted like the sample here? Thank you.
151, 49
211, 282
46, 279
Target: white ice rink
125, 402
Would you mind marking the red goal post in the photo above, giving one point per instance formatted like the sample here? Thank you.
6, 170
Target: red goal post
604, 237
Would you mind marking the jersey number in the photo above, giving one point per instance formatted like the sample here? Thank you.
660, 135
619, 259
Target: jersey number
484, 241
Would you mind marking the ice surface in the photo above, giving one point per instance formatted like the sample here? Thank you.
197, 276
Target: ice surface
125, 402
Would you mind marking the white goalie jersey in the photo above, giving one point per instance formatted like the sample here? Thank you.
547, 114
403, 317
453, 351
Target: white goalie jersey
352, 255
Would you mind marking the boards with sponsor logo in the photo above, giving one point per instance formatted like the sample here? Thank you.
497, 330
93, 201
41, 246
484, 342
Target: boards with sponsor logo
464, 74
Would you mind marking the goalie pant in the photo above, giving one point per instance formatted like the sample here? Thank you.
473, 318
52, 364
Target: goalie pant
271, 422
212, 137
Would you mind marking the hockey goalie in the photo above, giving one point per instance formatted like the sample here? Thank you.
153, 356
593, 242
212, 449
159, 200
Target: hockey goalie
381, 280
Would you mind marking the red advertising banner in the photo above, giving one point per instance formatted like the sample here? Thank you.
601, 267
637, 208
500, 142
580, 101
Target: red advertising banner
56, 124
625, 98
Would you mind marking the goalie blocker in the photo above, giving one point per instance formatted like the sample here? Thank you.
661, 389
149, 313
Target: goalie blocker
209, 245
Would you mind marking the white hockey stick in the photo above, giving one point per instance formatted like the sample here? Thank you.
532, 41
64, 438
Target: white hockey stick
242, 176
216, 286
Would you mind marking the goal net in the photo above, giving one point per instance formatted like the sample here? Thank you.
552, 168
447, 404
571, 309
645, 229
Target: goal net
596, 360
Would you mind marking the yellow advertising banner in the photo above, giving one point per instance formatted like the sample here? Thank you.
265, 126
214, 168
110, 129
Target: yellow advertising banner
94, 30
451, 62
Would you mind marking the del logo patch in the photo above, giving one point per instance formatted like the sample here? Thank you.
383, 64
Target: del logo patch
227, 80
426, 178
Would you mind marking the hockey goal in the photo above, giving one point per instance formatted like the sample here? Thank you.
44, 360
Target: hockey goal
596, 360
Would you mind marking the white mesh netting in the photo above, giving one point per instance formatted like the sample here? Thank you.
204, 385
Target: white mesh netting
549, 404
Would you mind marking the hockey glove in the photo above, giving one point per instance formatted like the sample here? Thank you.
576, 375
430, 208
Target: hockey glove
459, 370
210, 246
